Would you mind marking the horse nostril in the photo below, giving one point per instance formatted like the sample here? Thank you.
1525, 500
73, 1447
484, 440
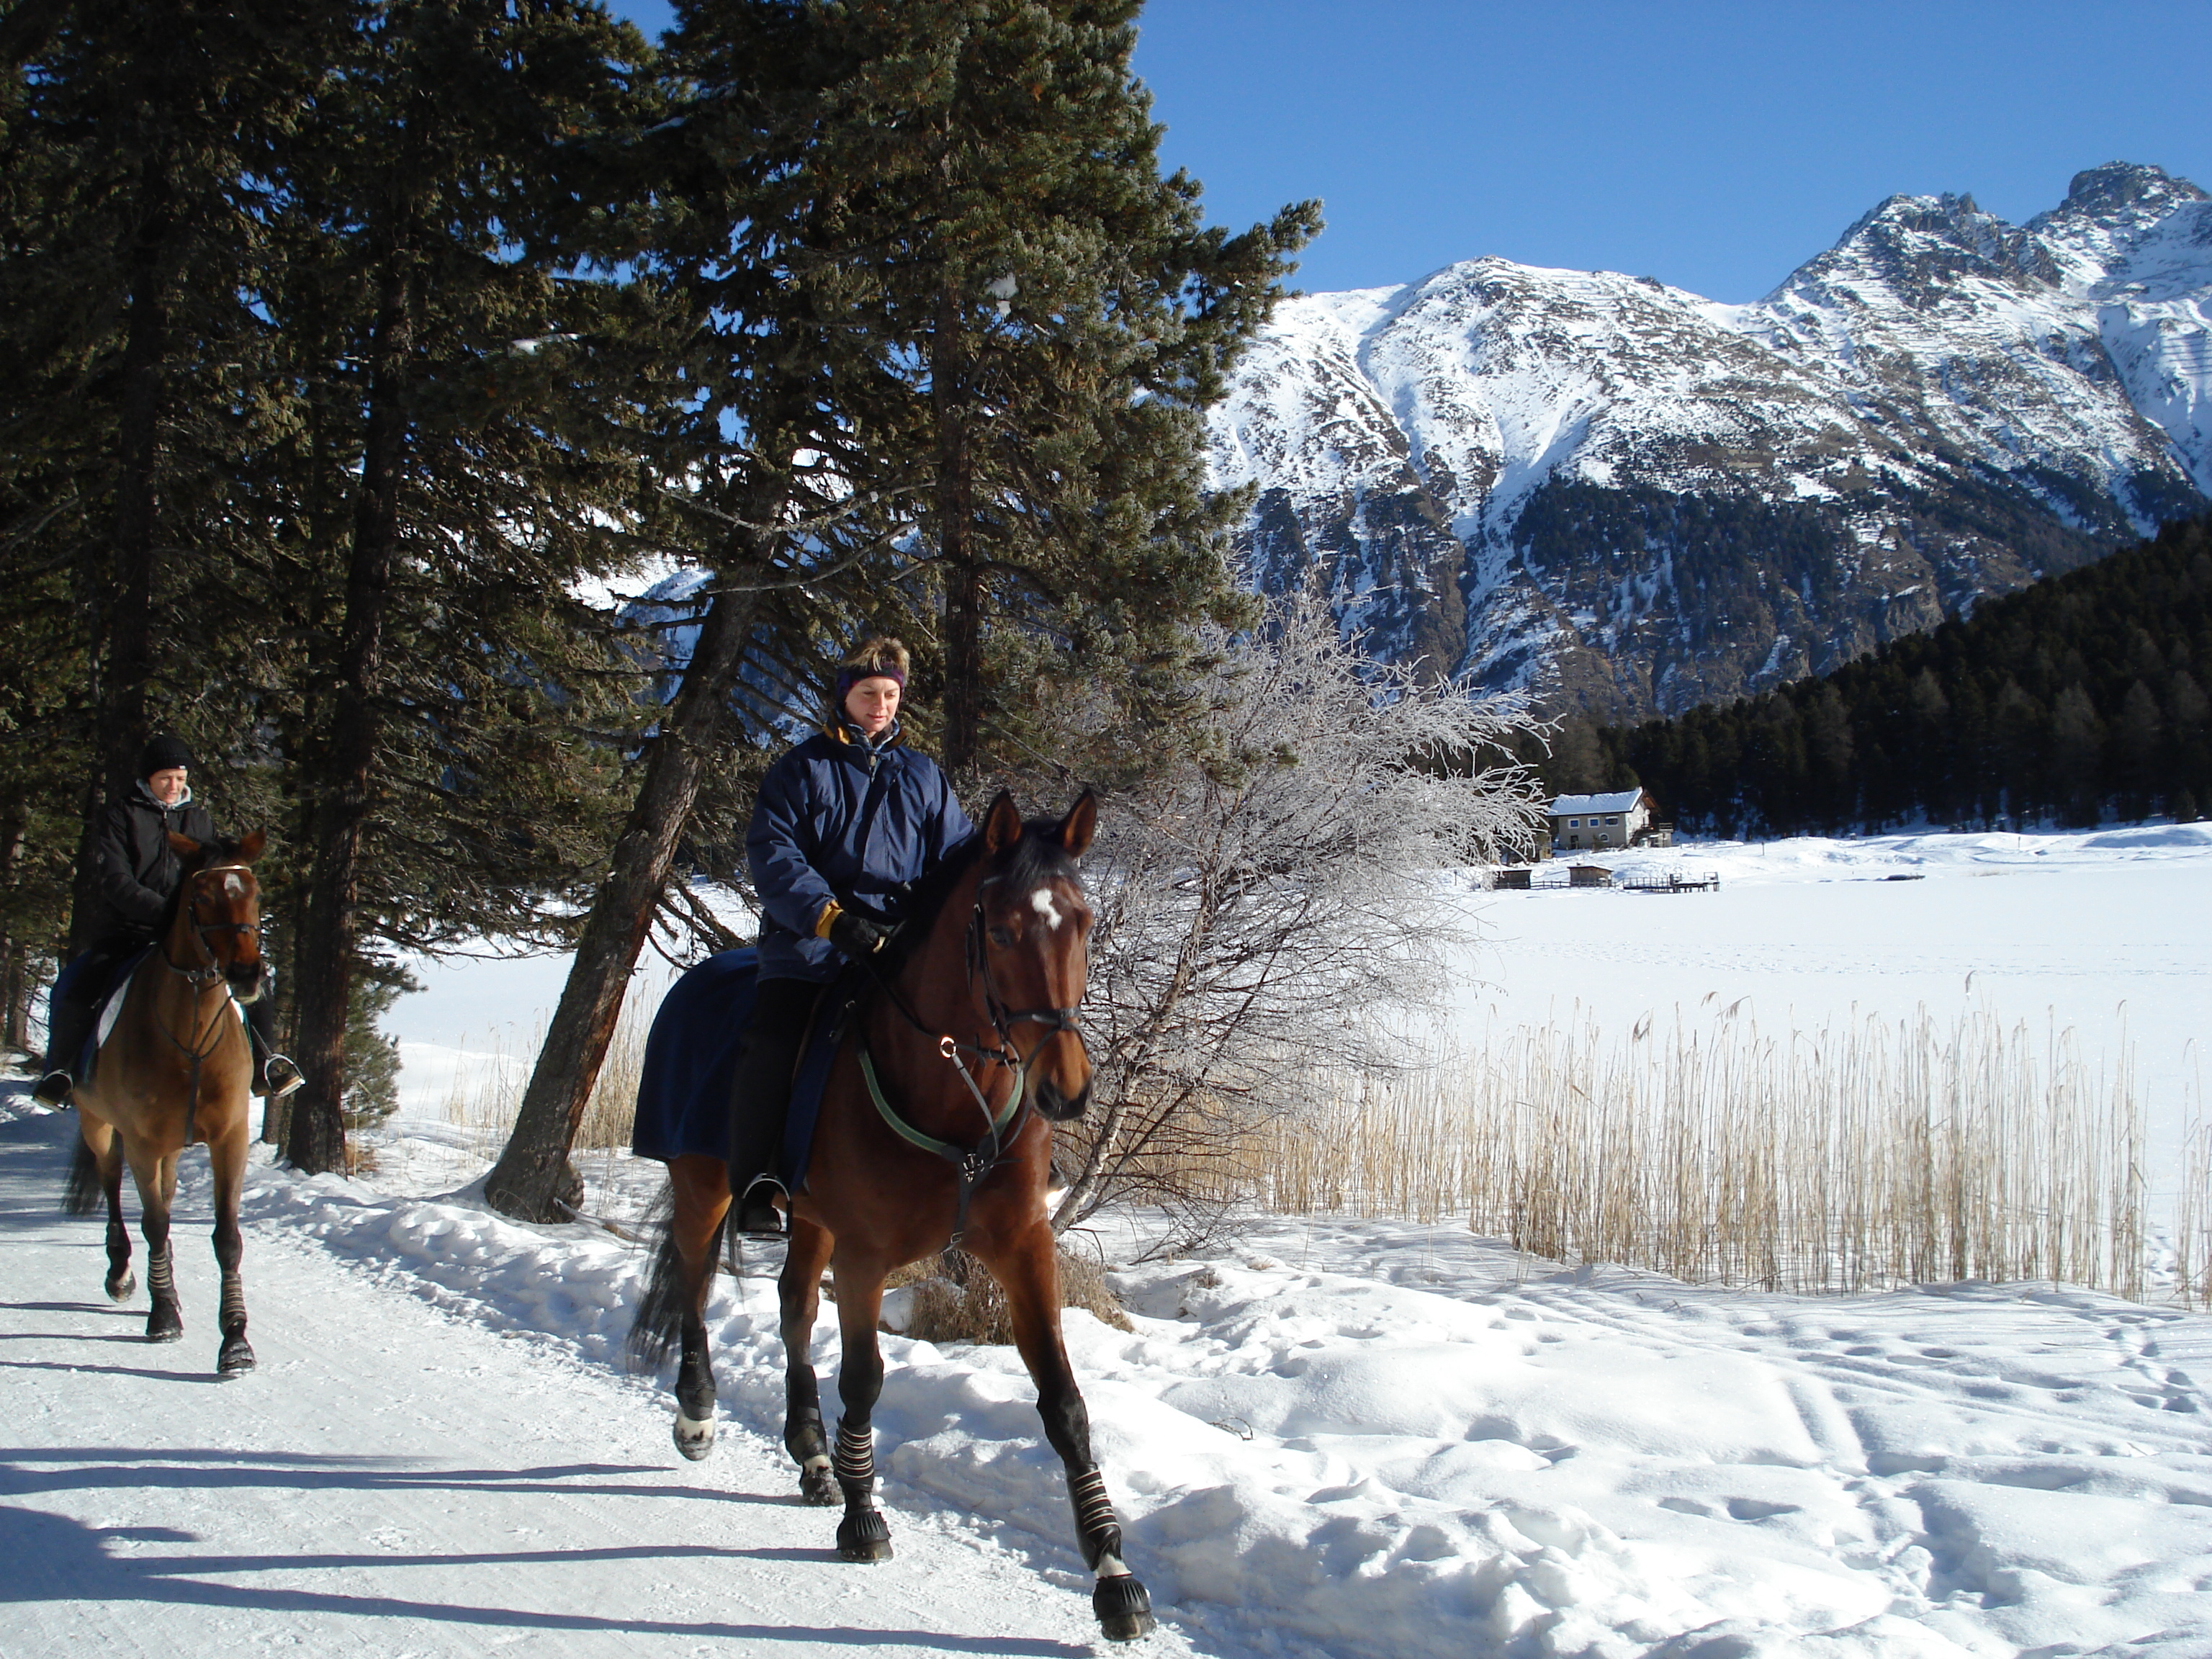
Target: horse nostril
1056, 1105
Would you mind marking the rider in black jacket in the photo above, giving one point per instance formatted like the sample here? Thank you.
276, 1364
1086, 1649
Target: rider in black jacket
138, 873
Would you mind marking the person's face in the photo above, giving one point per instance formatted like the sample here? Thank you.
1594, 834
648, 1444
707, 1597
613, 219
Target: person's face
872, 703
167, 785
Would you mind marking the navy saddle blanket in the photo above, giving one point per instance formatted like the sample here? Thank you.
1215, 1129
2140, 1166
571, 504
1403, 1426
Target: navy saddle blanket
691, 1059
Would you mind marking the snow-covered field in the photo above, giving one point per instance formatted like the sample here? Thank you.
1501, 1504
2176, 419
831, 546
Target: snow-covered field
1334, 1437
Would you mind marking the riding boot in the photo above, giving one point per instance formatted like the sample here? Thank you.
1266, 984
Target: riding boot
760, 1099
275, 1076
68, 1026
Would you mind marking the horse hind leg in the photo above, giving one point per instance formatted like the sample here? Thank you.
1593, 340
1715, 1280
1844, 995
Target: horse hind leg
674, 1307
799, 1299
96, 1175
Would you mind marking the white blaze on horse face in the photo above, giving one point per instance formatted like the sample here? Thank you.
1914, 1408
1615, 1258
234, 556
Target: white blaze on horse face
1042, 902
234, 886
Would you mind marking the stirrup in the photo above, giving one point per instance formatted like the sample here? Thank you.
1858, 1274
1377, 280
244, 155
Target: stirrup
279, 1077
53, 1088
756, 1214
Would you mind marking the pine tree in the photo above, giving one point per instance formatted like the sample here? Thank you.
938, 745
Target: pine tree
439, 206
135, 199
1065, 316
827, 221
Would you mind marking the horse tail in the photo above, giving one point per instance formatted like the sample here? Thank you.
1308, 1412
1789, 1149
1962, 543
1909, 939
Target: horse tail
86, 1193
657, 1326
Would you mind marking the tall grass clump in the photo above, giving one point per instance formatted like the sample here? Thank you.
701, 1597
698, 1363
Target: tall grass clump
486, 1093
1869, 1153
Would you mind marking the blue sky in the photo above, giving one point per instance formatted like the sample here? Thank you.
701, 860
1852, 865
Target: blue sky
1714, 145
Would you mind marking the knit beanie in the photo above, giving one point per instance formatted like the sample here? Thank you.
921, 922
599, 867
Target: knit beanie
161, 753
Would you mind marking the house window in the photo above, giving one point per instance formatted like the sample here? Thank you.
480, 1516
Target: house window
1574, 824
1612, 820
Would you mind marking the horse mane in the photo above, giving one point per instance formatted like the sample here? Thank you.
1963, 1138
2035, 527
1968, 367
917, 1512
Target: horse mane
1034, 858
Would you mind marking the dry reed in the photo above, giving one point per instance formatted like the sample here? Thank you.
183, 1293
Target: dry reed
1866, 1155
486, 1091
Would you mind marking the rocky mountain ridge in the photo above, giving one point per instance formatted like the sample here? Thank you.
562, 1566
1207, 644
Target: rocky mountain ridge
1626, 498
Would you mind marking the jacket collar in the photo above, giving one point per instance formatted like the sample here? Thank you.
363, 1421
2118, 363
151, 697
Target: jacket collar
846, 733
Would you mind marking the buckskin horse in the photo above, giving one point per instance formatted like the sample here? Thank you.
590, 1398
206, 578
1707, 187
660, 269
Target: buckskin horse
176, 1067
935, 1125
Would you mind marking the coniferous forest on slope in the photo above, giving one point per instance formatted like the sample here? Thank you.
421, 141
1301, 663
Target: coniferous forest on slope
2079, 699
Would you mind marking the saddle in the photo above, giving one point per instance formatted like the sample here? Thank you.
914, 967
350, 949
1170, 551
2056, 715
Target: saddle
98, 982
691, 1060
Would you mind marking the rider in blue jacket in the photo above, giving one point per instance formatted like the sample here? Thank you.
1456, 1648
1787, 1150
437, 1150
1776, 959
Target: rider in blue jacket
844, 824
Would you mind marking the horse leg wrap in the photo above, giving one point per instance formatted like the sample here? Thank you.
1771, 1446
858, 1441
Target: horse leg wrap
1096, 1531
856, 1456
236, 1358
863, 1535
165, 1320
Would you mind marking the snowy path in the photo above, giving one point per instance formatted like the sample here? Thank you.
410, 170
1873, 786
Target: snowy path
396, 1480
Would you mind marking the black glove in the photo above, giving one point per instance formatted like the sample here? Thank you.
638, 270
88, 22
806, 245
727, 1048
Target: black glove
855, 936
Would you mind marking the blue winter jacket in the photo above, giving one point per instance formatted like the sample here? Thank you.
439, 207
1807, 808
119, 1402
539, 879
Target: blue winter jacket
837, 819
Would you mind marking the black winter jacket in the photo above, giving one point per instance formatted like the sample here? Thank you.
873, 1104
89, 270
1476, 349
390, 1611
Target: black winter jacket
138, 871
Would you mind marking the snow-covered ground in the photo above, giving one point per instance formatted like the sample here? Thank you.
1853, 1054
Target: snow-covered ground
2108, 932
1334, 1437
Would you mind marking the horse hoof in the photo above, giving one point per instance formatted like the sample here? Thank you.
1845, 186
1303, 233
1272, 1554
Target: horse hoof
1123, 1608
159, 1329
694, 1437
118, 1289
864, 1536
236, 1359
816, 1486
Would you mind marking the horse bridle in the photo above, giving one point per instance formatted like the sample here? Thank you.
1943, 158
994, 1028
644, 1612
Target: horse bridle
1003, 1019
1001, 1128
211, 970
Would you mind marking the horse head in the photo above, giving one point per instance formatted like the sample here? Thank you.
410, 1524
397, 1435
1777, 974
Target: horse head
1033, 927
219, 906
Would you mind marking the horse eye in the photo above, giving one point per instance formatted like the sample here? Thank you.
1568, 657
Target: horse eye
1001, 937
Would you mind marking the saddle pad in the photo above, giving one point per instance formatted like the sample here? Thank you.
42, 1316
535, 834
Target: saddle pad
811, 1079
691, 1056
691, 1060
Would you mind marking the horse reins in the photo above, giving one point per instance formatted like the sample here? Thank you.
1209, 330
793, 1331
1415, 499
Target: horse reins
970, 1166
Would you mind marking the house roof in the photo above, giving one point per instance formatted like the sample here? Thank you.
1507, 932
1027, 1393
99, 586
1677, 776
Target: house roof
1620, 800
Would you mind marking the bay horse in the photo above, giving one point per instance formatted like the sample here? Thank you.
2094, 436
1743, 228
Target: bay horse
935, 1126
177, 1067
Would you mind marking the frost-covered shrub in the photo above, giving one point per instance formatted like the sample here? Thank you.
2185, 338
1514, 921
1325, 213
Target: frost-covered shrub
1273, 900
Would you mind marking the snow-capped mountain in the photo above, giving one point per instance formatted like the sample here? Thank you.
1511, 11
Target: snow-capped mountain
1628, 498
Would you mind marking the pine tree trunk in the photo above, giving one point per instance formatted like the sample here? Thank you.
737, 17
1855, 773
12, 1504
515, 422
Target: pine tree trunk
964, 586
276, 1116
534, 1178
119, 724
315, 1139
15, 953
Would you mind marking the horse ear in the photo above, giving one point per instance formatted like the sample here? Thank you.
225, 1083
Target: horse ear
1002, 824
1080, 825
184, 846
250, 845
